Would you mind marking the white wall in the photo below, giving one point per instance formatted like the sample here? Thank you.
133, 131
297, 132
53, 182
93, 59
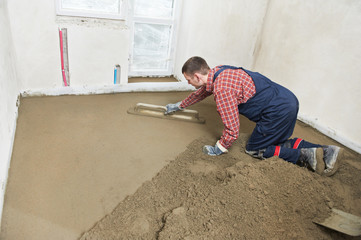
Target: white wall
9, 90
93, 53
95, 46
313, 48
222, 32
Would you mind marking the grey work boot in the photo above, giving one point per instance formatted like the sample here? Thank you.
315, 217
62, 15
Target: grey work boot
331, 157
257, 154
308, 157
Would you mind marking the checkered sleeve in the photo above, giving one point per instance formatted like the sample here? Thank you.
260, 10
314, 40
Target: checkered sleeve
195, 97
227, 108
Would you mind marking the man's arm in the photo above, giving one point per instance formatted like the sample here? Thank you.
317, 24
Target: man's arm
227, 108
193, 98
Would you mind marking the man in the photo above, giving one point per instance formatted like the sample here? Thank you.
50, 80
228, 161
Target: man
273, 107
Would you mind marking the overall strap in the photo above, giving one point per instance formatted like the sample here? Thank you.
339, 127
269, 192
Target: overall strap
224, 67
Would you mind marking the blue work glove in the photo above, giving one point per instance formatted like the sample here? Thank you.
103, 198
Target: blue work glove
218, 149
173, 107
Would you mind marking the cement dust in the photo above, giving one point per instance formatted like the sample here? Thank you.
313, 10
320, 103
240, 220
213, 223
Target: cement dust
232, 197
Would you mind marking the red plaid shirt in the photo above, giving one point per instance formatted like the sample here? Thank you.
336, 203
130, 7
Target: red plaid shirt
231, 88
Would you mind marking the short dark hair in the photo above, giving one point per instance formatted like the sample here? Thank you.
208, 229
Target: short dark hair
195, 64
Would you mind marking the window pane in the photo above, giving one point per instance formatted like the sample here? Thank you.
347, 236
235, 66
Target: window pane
108, 6
154, 8
151, 46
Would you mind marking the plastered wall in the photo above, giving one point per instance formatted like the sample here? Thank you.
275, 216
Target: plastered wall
313, 48
222, 32
94, 51
9, 91
95, 46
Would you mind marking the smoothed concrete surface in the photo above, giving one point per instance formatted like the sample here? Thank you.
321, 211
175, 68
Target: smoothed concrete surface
76, 157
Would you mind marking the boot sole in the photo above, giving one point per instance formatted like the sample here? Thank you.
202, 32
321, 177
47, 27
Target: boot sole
320, 167
328, 172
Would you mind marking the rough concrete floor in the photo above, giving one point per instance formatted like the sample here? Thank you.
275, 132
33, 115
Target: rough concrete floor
76, 157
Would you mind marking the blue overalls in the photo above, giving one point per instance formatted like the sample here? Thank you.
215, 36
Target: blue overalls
274, 108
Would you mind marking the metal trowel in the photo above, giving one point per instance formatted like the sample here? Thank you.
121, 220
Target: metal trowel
157, 111
342, 222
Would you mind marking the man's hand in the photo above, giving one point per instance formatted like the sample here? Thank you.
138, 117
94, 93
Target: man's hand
218, 149
173, 107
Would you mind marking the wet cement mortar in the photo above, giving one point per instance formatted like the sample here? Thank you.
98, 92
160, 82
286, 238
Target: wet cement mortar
197, 196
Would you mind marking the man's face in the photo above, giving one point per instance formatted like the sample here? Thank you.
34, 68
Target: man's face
193, 80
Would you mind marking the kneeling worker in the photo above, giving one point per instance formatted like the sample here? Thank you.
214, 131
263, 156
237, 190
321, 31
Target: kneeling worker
273, 107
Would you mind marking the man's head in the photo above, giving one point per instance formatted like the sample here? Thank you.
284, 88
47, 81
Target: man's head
195, 65
195, 70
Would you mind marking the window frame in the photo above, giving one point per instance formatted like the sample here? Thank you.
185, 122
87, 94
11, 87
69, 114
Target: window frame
60, 11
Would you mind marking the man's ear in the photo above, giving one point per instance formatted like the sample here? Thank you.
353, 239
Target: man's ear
197, 76
201, 78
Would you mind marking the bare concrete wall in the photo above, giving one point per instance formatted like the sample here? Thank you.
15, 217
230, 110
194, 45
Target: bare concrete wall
95, 46
313, 48
9, 90
222, 32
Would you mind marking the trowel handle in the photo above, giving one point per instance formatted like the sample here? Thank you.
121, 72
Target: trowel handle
150, 106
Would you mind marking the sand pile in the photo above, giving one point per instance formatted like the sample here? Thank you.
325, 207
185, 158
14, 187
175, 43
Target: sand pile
232, 197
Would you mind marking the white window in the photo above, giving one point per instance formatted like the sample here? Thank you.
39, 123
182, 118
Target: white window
152, 37
112, 9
